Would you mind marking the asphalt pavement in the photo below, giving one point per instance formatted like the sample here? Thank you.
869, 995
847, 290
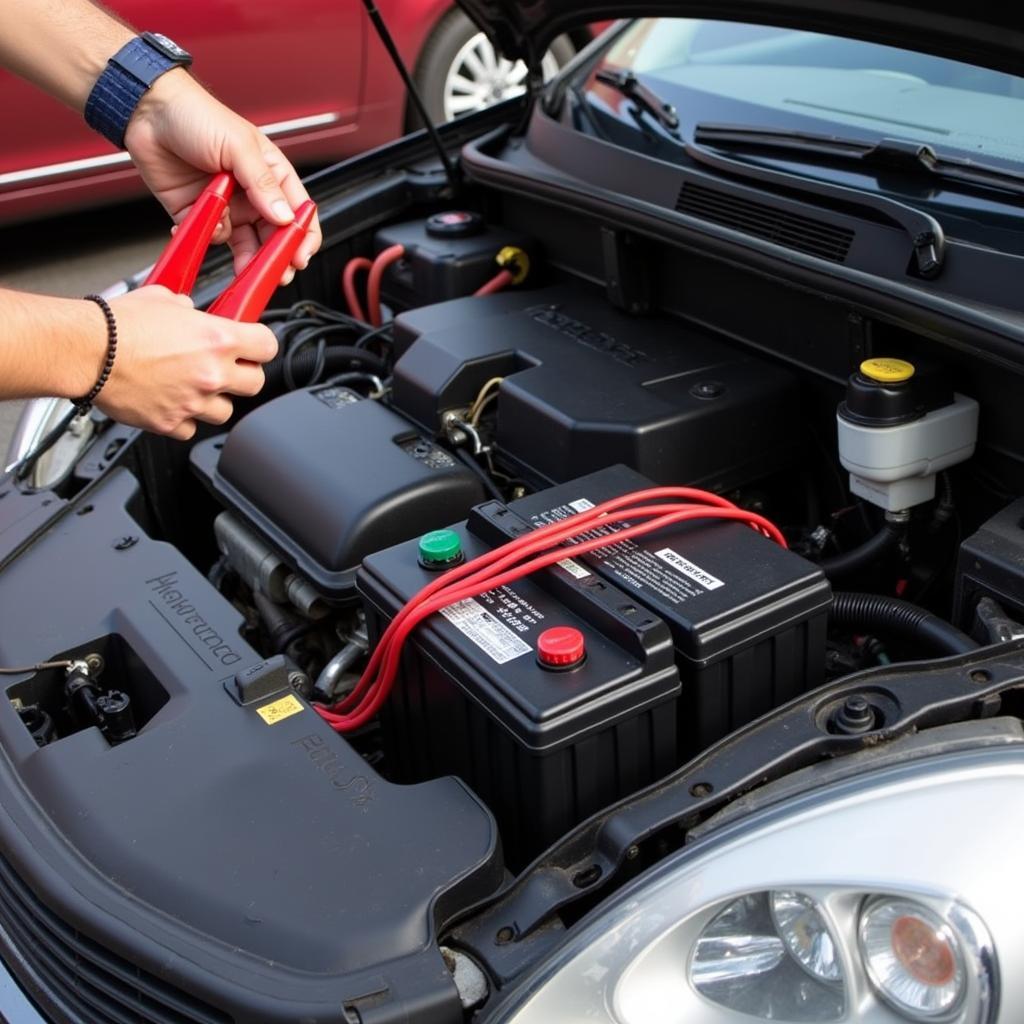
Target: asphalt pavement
76, 254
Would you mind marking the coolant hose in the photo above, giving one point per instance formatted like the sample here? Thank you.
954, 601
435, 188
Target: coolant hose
337, 359
870, 551
871, 613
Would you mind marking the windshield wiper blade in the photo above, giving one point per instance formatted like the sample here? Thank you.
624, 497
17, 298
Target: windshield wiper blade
646, 99
889, 154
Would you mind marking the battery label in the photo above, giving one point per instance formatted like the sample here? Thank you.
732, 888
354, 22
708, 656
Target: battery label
493, 637
664, 572
687, 568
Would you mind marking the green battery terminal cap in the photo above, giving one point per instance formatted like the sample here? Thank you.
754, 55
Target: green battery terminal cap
440, 547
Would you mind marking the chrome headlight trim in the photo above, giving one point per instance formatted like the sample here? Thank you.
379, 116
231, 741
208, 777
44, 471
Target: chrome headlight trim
981, 949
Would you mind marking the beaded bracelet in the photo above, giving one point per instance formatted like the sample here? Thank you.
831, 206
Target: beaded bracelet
83, 405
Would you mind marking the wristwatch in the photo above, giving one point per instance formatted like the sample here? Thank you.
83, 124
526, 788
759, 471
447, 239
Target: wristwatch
125, 79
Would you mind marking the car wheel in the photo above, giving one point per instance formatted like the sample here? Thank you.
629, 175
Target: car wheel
459, 70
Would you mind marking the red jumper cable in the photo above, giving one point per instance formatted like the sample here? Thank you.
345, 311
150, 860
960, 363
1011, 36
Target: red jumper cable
498, 567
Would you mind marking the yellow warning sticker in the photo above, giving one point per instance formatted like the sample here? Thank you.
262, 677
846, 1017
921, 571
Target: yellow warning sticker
280, 709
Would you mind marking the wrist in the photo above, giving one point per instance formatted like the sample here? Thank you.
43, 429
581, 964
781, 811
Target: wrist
163, 94
82, 342
89, 62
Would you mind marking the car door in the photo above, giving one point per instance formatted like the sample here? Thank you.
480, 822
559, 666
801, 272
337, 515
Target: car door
295, 69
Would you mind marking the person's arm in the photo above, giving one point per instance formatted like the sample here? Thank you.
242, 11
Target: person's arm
179, 134
174, 365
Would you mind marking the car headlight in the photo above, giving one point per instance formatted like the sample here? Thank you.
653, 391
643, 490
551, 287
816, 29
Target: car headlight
859, 901
770, 955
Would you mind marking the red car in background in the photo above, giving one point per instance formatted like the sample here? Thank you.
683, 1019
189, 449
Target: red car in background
311, 73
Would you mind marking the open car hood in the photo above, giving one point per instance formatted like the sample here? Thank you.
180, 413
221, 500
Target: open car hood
988, 34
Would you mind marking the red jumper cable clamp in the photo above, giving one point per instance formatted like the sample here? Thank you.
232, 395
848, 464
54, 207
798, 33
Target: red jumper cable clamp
247, 296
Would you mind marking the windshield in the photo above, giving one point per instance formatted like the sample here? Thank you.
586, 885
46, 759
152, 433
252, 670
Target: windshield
805, 81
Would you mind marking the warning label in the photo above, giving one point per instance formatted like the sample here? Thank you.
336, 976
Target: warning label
280, 709
687, 568
642, 570
484, 628
663, 571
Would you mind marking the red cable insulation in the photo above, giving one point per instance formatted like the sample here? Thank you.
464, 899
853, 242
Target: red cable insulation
501, 280
506, 555
384, 259
346, 722
348, 285
485, 573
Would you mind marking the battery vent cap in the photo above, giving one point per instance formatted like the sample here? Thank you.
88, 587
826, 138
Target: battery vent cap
440, 548
560, 647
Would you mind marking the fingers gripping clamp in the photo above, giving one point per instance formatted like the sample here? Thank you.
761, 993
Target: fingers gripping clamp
247, 296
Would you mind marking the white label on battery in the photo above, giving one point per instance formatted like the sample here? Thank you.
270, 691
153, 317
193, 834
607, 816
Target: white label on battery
573, 568
581, 505
688, 569
494, 638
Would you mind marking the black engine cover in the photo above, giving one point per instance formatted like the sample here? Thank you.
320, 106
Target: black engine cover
238, 862
586, 386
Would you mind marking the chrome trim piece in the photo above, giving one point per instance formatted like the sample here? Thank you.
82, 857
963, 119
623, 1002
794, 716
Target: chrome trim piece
298, 124
68, 169
114, 161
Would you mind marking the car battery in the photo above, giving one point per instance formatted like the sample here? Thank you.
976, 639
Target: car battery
549, 702
748, 618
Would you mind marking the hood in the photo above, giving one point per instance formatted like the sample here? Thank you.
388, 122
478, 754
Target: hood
984, 33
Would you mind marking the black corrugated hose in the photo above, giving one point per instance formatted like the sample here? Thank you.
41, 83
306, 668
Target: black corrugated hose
876, 613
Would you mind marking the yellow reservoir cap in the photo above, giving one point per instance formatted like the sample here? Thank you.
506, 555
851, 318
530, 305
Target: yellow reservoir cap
887, 371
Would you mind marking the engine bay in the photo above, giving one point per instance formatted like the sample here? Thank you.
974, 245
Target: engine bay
258, 641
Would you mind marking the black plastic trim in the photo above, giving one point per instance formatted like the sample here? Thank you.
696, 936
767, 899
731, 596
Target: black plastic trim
913, 303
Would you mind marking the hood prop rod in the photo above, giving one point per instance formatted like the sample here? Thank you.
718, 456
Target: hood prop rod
450, 171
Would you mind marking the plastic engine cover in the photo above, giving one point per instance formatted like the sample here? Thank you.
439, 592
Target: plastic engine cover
586, 386
233, 858
329, 477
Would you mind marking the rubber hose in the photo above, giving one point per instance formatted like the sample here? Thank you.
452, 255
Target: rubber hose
870, 551
871, 613
337, 359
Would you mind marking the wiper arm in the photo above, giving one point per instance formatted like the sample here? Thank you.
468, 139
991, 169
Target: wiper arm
646, 99
892, 154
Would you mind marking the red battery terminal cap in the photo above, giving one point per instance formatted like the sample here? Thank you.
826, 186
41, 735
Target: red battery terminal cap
560, 647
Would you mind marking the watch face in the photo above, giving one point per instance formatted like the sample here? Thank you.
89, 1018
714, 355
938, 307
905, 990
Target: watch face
168, 47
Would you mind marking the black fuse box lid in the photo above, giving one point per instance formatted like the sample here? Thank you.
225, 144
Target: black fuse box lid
720, 586
489, 647
328, 477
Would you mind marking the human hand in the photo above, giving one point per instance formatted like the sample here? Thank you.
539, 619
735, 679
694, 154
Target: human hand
180, 135
176, 365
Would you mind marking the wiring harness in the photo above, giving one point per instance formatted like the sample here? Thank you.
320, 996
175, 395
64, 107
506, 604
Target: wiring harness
521, 557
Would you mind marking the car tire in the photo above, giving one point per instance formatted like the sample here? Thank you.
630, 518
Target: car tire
459, 71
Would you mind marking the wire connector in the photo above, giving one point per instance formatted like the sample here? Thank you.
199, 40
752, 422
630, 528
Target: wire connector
515, 261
